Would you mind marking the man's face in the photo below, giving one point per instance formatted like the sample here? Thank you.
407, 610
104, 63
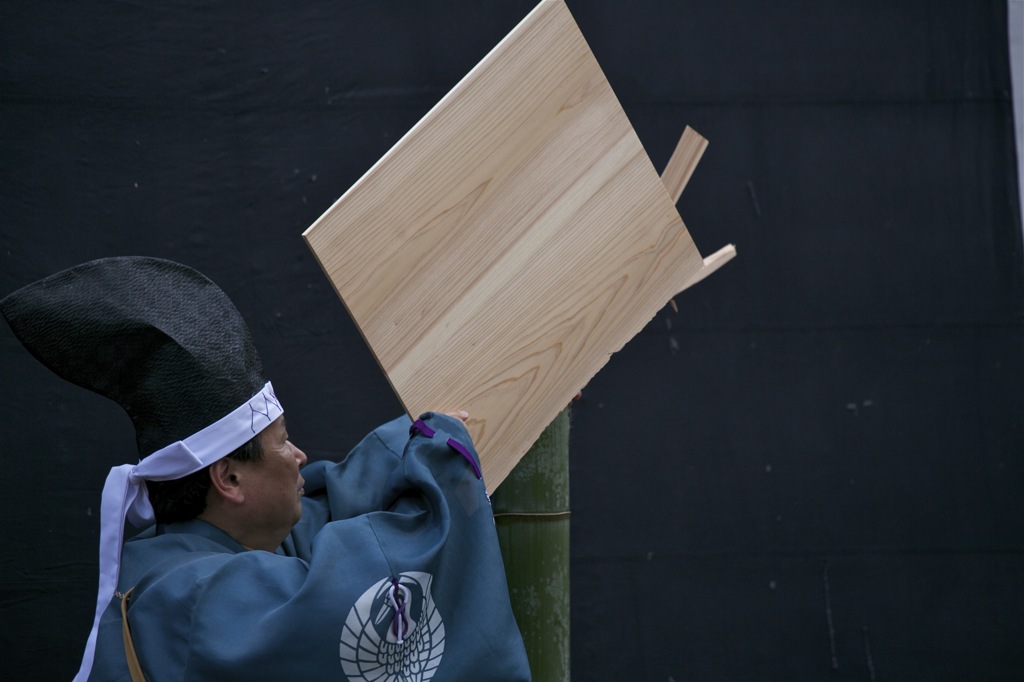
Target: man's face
273, 487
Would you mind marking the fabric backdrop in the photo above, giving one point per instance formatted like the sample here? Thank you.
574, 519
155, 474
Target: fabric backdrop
811, 470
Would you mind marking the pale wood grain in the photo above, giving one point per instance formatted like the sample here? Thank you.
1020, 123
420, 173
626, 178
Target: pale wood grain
510, 242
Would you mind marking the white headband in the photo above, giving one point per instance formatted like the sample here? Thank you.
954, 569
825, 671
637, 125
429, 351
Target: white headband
124, 493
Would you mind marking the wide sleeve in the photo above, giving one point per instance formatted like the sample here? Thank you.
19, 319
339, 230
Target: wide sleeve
356, 485
414, 590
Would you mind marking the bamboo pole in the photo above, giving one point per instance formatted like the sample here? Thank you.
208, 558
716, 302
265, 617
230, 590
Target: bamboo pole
531, 511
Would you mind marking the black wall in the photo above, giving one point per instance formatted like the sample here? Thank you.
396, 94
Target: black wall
812, 470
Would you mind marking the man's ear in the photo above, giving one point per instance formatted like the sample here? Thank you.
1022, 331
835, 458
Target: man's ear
224, 480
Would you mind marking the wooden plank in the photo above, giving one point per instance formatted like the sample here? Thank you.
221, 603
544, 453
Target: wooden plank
510, 242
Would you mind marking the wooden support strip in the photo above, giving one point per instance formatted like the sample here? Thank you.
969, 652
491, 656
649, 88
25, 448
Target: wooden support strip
683, 162
676, 175
712, 263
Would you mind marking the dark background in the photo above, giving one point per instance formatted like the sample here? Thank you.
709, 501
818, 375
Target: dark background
811, 471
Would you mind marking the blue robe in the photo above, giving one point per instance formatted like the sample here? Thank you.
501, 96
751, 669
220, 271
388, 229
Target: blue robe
392, 574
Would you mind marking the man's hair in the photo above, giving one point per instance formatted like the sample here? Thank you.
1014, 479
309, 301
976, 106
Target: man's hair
184, 498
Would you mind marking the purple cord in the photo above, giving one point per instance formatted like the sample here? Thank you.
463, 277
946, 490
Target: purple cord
461, 449
420, 426
455, 445
399, 621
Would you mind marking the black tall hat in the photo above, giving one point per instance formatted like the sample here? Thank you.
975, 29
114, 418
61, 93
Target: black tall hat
166, 344
155, 336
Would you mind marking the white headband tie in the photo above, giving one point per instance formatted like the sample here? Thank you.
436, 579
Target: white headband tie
124, 494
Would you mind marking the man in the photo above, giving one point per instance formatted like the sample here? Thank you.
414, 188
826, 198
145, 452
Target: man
253, 565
